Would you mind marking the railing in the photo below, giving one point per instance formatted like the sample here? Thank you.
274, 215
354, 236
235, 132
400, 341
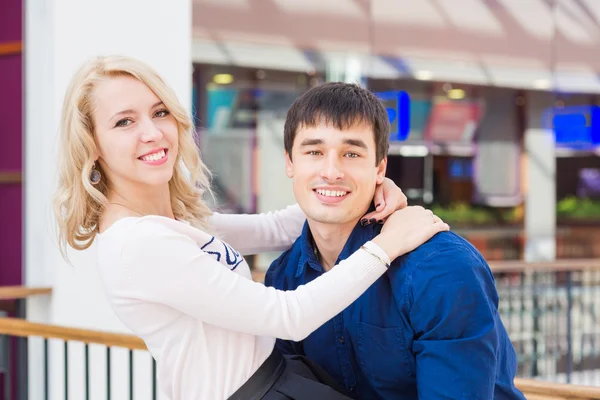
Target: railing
551, 312
17, 328
14, 353
536, 390
11, 327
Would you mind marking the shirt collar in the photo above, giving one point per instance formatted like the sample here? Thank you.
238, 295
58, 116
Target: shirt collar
360, 234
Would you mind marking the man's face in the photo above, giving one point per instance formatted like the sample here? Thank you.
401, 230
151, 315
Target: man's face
334, 172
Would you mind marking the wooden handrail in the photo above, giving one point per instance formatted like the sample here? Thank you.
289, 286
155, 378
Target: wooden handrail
534, 389
11, 177
22, 292
558, 265
578, 264
10, 48
22, 328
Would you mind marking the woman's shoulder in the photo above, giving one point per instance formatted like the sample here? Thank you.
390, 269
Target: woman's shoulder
148, 229
135, 240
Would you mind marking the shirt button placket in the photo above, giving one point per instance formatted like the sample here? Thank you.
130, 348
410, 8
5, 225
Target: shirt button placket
347, 371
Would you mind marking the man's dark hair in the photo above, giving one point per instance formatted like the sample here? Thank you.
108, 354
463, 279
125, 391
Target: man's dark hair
342, 105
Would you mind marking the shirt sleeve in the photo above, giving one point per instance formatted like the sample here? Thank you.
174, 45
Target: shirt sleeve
167, 267
257, 233
454, 316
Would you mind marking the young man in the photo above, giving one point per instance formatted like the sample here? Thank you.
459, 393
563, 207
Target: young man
429, 329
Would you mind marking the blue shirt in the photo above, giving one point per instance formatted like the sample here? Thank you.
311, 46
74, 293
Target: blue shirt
427, 329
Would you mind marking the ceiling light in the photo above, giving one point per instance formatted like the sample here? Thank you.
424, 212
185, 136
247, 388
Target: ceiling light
223, 79
456, 94
423, 75
541, 84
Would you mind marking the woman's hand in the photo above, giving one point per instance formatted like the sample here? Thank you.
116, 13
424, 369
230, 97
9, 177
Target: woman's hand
407, 229
388, 198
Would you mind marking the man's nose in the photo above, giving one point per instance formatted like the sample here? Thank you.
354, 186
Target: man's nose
332, 170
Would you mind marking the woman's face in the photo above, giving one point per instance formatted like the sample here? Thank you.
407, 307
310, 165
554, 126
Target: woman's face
136, 136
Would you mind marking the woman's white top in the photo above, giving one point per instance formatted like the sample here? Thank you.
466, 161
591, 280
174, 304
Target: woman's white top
191, 298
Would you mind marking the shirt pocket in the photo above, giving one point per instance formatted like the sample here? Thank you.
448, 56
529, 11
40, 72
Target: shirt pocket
382, 355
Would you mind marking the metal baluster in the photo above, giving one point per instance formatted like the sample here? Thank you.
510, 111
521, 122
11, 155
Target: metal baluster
153, 379
66, 370
46, 377
522, 319
536, 324
569, 325
87, 371
22, 355
108, 373
556, 315
594, 323
130, 374
6, 362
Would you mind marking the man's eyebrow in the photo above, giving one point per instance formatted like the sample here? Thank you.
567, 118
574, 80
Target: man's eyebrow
311, 142
356, 143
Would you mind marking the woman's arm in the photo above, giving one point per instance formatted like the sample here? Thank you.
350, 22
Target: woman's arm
277, 231
257, 233
167, 267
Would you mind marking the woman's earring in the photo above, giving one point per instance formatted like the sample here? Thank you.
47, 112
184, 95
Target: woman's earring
95, 175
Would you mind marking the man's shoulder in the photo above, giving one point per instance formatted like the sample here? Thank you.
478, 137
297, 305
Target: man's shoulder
446, 251
284, 265
442, 243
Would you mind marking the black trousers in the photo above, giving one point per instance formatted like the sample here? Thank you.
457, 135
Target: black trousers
290, 378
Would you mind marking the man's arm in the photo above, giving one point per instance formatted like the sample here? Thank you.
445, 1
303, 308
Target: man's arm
454, 316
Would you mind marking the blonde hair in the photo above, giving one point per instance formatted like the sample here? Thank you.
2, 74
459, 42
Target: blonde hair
78, 205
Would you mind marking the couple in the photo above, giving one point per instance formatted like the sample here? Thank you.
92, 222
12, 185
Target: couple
401, 312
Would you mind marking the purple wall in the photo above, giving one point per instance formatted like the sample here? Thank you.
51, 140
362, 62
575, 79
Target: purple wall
11, 219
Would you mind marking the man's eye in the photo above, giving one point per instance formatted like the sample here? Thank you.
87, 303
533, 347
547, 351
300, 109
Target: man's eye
352, 155
123, 122
313, 153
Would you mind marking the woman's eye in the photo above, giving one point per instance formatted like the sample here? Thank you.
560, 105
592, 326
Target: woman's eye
123, 122
161, 113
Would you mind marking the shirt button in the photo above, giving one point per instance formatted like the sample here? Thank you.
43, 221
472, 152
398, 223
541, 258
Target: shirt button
341, 339
352, 388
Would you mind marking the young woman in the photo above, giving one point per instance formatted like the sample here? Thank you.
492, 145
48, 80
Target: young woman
132, 179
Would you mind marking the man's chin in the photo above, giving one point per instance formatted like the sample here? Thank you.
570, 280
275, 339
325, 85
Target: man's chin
330, 218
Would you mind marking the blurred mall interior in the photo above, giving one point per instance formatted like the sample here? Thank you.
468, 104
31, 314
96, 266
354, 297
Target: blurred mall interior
495, 110
463, 81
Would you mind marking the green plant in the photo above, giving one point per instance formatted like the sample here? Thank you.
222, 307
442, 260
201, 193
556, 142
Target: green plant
578, 208
465, 214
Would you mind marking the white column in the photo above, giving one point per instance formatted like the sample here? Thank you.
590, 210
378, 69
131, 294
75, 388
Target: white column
540, 202
59, 36
498, 158
346, 67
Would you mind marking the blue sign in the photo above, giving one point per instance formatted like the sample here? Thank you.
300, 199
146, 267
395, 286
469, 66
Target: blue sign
576, 127
397, 105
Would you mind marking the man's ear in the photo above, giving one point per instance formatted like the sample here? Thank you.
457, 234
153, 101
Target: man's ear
289, 167
381, 168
